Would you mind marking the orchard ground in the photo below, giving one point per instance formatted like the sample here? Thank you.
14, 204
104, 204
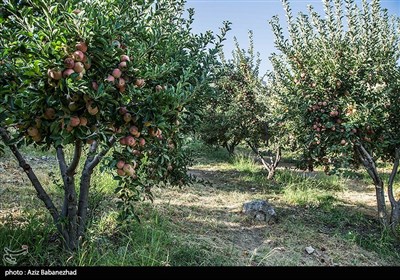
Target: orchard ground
202, 224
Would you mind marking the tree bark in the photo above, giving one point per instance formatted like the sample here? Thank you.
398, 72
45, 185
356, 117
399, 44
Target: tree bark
70, 202
370, 166
395, 205
91, 162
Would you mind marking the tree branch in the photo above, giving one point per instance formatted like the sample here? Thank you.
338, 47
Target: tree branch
392, 176
69, 208
61, 159
90, 163
42, 194
77, 156
257, 152
278, 156
100, 155
63, 169
369, 163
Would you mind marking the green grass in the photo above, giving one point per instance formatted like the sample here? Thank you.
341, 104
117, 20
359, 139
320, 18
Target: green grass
150, 243
205, 154
202, 225
245, 164
299, 189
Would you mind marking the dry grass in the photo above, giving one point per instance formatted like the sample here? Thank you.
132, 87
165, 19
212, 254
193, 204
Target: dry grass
213, 215
203, 224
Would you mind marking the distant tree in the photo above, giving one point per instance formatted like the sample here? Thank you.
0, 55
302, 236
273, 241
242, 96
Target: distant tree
336, 83
233, 115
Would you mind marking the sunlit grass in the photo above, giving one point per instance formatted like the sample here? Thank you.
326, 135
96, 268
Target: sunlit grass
203, 225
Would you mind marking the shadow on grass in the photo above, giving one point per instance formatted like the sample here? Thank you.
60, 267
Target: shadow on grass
344, 222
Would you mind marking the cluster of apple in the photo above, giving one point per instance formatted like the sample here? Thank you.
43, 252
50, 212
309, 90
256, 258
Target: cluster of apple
116, 75
133, 139
77, 62
155, 132
126, 169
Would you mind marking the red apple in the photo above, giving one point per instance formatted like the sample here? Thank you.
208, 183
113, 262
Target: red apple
121, 172
54, 74
142, 142
125, 58
110, 79
83, 121
68, 72
78, 56
92, 110
122, 141
120, 164
32, 131
134, 131
122, 65
95, 86
81, 46
69, 63
122, 111
37, 138
127, 117
87, 64
116, 73
74, 121
140, 83
49, 114
128, 169
130, 141
121, 83
78, 67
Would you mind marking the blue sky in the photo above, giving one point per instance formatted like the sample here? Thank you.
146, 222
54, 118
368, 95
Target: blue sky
253, 15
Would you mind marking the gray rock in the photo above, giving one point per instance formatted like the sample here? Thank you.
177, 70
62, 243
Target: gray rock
310, 250
260, 210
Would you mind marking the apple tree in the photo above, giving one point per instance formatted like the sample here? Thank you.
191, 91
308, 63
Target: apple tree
110, 79
234, 114
336, 85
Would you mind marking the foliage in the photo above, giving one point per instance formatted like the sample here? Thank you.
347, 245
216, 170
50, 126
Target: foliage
231, 115
100, 76
336, 85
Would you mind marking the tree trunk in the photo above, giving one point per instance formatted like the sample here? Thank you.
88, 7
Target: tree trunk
271, 174
395, 205
83, 199
380, 199
269, 166
230, 147
370, 166
91, 162
69, 209
395, 219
